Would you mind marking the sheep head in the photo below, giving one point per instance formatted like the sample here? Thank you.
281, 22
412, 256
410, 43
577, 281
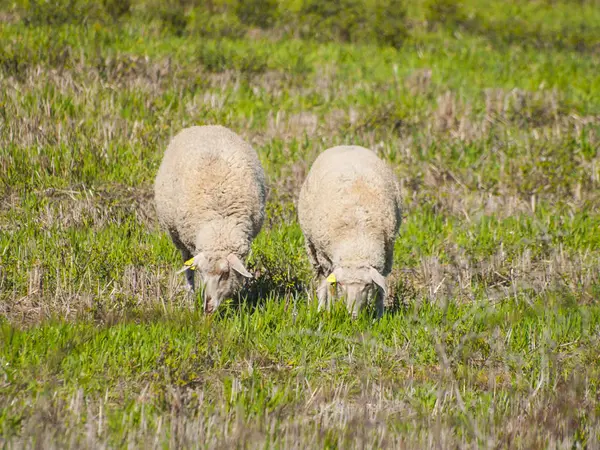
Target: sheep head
356, 285
220, 276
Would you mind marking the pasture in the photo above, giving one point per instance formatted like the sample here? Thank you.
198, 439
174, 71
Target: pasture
489, 114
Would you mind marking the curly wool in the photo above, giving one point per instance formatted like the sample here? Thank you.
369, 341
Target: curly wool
210, 191
349, 210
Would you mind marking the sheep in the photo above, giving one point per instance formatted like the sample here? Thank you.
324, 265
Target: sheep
349, 212
210, 197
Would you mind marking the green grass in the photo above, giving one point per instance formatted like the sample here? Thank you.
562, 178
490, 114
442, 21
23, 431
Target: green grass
488, 112
265, 366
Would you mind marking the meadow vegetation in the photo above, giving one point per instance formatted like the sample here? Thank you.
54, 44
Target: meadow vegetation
489, 113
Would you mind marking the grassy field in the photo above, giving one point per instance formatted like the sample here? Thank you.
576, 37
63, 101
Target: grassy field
489, 113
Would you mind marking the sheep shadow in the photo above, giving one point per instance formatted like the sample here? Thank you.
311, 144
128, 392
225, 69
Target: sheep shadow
258, 290
401, 294
284, 285
266, 285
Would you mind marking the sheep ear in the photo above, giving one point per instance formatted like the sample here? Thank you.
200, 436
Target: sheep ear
192, 263
378, 279
238, 266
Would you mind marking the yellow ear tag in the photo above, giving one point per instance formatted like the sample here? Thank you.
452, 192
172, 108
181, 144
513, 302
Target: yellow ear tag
331, 279
190, 263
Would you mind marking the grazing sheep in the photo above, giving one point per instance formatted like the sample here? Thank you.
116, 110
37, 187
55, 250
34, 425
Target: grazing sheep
210, 196
349, 212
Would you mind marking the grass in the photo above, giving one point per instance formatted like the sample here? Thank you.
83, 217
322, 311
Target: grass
490, 116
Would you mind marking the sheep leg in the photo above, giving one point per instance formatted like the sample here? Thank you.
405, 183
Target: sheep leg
312, 257
189, 277
189, 273
379, 301
322, 289
185, 254
321, 285
389, 256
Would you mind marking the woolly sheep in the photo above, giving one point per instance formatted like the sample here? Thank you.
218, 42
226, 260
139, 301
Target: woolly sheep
210, 196
349, 212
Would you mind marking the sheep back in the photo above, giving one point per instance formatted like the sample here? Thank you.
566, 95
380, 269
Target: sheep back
349, 208
210, 190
